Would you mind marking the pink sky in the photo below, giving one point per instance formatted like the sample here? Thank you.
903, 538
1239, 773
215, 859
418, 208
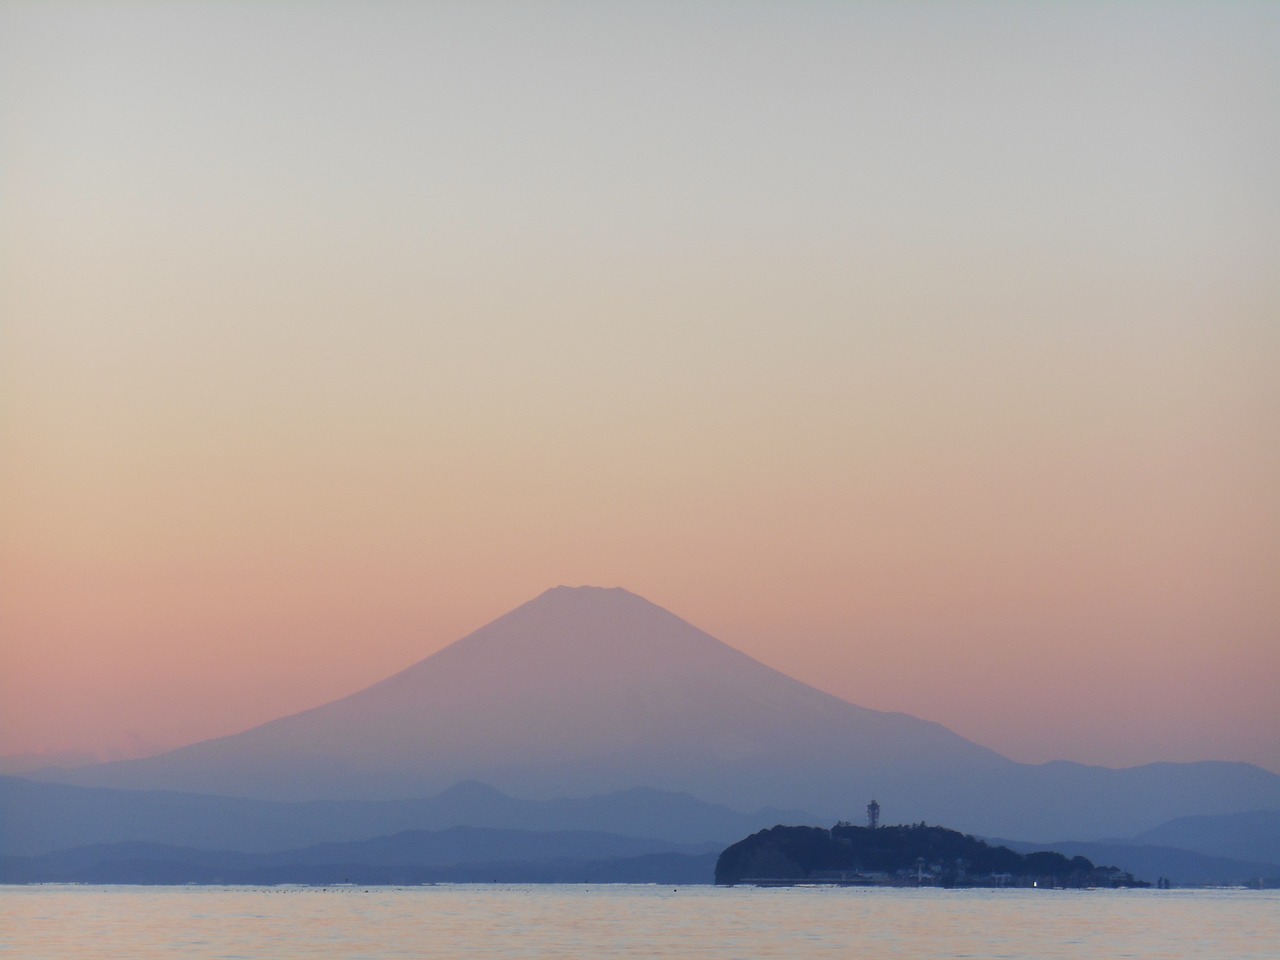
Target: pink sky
927, 355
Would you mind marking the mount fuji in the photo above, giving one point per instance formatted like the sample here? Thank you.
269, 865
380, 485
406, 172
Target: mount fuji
583, 691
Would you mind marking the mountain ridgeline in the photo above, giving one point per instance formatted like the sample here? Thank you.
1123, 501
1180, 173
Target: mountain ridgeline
456, 855
57, 833
42, 818
915, 855
585, 691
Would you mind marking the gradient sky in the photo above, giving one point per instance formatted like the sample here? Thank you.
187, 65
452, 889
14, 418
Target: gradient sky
926, 352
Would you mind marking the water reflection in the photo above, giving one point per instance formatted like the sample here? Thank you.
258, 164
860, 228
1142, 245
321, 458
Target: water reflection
512, 923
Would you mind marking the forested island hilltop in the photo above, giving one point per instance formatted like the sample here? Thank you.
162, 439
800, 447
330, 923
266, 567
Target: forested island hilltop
911, 855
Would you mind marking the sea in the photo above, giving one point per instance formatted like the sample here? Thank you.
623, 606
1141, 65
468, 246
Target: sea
58, 922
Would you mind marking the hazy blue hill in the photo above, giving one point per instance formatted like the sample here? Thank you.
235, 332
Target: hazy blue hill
652, 868
1063, 799
42, 817
480, 845
458, 854
1150, 862
639, 811
121, 860
1253, 835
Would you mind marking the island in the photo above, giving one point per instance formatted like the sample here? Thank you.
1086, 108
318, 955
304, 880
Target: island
910, 855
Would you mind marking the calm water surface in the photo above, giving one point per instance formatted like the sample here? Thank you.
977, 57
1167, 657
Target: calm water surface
707, 923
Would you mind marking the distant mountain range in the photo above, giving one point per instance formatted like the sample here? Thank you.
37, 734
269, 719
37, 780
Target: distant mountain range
1253, 835
471, 832
1150, 862
460, 854
1236, 847
40, 818
588, 691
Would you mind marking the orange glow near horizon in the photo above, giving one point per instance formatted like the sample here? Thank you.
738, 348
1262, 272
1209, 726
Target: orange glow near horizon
949, 391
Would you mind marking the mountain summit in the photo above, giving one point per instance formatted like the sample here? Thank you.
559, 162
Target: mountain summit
581, 690
588, 690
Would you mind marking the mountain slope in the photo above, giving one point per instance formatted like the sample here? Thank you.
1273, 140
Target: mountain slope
576, 692
585, 691
1250, 835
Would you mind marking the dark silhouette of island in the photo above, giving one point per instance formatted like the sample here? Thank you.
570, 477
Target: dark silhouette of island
913, 855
